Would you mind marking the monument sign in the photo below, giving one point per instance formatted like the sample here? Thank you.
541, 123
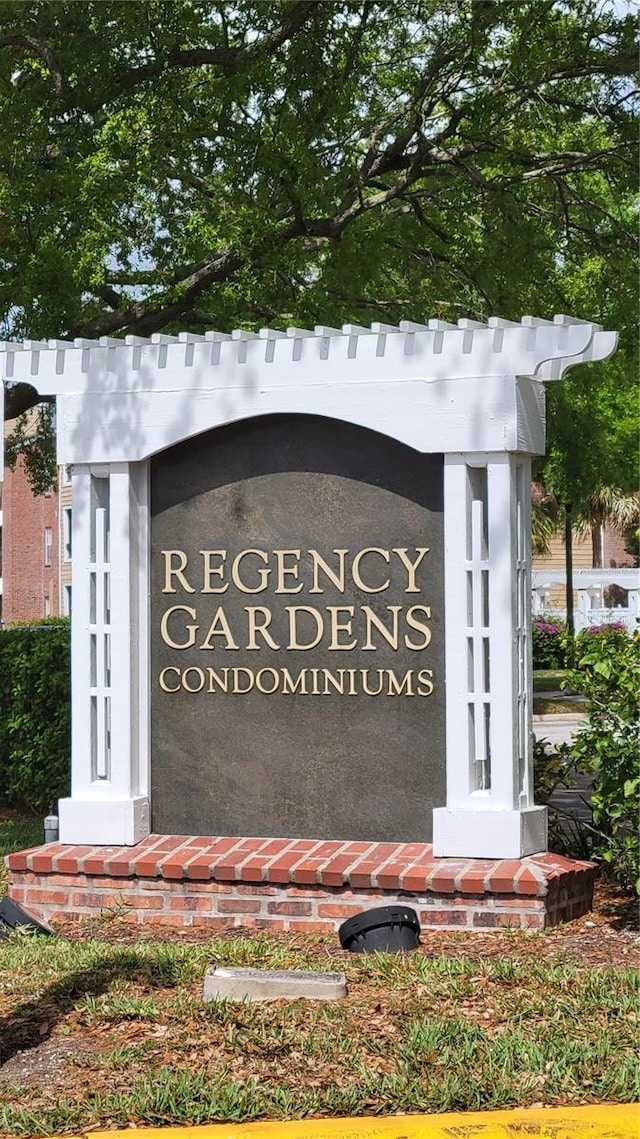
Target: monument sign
297, 633
301, 579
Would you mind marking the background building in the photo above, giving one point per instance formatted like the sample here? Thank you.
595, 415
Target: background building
35, 548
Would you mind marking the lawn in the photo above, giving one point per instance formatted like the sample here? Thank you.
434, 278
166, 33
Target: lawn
17, 831
118, 1033
549, 679
104, 1026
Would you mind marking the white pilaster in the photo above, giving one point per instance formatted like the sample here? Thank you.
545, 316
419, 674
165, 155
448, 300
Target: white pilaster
489, 811
110, 706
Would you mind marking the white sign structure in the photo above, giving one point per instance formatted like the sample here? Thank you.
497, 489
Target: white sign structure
473, 391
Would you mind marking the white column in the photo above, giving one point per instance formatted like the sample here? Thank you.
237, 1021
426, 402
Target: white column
632, 615
583, 610
489, 812
109, 801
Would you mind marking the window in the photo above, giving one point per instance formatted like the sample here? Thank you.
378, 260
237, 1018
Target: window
47, 606
48, 545
66, 533
66, 601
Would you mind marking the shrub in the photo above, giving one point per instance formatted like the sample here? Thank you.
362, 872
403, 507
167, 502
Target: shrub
553, 767
607, 672
35, 744
549, 645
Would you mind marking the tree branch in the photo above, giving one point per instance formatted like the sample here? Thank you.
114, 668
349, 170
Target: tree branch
15, 39
19, 398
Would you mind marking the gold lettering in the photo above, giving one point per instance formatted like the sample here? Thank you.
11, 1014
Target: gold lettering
352, 682
395, 689
289, 685
236, 680
219, 627
341, 627
285, 571
372, 619
215, 678
199, 682
263, 574
315, 691
276, 680
425, 681
413, 623
164, 627
337, 579
329, 678
254, 627
294, 642
162, 678
411, 567
210, 571
170, 571
355, 569
364, 672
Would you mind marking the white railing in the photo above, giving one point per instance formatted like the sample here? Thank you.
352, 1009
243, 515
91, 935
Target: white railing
590, 586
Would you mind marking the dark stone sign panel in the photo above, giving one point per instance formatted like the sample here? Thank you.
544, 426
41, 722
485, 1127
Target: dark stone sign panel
297, 618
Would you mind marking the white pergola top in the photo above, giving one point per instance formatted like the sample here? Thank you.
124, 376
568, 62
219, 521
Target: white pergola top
532, 347
434, 386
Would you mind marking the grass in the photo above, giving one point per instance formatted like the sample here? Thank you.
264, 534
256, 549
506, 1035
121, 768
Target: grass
17, 832
548, 679
20, 831
101, 1035
551, 680
415, 1033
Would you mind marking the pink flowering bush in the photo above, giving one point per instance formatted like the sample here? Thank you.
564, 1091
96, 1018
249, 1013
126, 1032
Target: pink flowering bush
549, 644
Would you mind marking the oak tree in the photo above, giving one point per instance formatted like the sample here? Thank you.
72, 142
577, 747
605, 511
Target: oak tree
199, 164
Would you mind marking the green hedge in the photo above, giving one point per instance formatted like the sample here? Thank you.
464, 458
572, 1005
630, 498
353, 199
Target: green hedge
35, 735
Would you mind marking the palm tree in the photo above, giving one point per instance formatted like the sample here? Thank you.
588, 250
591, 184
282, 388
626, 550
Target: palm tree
605, 505
608, 505
545, 518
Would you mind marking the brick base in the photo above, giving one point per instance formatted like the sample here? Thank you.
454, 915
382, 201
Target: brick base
294, 884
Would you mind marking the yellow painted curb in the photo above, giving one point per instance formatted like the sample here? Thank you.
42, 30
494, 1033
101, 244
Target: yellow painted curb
602, 1121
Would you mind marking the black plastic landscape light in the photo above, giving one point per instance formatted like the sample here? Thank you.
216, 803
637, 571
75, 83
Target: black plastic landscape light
13, 917
387, 929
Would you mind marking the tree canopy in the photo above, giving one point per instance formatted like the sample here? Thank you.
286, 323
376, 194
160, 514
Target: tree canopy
193, 165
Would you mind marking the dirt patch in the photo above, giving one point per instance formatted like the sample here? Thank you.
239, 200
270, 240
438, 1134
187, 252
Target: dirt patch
54, 1063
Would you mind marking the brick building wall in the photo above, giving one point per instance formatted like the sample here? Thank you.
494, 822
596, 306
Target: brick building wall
30, 550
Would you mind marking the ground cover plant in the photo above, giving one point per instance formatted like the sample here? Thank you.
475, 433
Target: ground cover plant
104, 1026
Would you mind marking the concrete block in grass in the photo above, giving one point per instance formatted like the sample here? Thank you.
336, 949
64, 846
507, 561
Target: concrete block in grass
236, 984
